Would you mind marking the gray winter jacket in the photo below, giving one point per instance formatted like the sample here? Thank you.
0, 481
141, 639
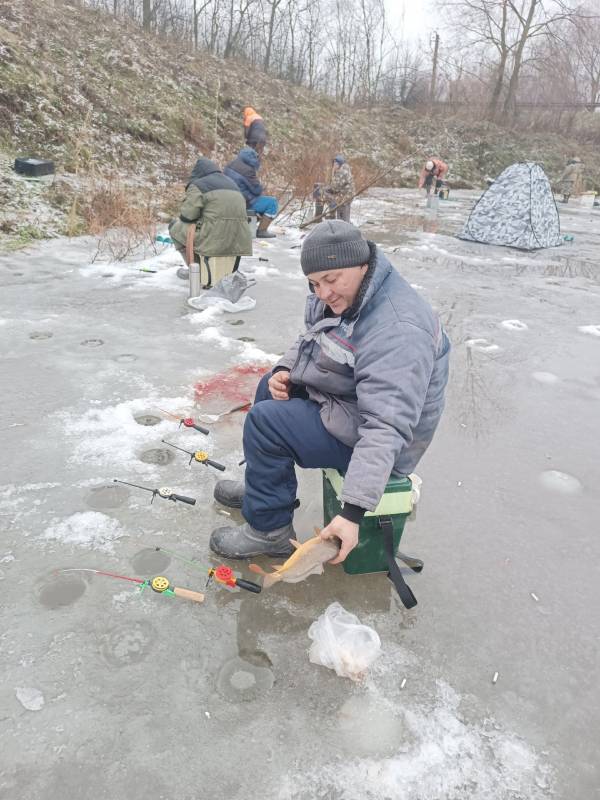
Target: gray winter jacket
378, 373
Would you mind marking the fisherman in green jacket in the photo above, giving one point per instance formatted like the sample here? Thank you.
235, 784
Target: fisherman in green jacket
216, 207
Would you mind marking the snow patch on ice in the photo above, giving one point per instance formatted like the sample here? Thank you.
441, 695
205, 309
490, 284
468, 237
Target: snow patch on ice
214, 336
548, 378
207, 315
482, 345
514, 325
437, 754
31, 699
593, 330
112, 437
247, 351
560, 482
89, 529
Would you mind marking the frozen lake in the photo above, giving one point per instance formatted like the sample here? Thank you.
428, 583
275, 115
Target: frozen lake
109, 693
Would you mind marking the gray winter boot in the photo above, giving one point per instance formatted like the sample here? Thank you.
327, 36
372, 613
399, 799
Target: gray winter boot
244, 541
229, 493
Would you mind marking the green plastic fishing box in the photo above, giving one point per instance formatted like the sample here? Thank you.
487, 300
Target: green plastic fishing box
396, 504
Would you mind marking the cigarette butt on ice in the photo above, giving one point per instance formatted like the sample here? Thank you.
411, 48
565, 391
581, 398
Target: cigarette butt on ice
495, 678
535, 597
403, 684
225, 513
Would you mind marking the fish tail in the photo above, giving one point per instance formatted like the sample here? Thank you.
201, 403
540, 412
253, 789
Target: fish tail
270, 578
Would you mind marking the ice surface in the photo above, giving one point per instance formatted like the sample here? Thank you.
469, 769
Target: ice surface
151, 695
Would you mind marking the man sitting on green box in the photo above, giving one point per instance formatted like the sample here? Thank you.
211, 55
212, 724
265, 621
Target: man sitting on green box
361, 391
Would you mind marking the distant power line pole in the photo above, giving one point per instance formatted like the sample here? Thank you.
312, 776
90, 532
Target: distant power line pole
436, 47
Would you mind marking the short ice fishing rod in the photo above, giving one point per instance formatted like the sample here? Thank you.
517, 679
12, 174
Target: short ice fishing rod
165, 492
159, 584
198, 455
189, 422
220, 574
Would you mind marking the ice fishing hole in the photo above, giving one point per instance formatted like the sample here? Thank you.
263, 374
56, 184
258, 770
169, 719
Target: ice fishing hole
128, 644
245, 339
92, 342
147, 419
125, 358
110, 495
158, 455
61, 590
108, 274
18, 274
41, 335
240, 681
150, 561
235, 321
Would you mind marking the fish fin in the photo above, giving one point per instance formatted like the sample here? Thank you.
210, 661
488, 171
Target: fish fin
270, 579
295, 544
256, 568
317, 531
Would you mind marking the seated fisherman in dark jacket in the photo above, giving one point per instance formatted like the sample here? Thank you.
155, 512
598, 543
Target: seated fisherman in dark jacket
243, 170
362, 391
214, 204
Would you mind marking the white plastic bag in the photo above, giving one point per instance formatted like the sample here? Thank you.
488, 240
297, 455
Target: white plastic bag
342, 643
203, 301
227, 294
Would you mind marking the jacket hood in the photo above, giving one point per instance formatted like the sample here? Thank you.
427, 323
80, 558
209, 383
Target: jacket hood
339, 159
202, 168
250, 115
250, 157
379, 269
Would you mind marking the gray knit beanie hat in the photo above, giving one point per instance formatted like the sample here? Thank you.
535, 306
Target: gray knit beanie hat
333, 244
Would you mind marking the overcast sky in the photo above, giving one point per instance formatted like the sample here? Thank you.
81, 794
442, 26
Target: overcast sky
414, 15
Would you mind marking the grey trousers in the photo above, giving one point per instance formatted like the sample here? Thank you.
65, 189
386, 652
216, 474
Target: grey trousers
343, 212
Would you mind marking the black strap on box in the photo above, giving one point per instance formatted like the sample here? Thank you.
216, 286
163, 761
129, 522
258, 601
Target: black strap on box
394, 574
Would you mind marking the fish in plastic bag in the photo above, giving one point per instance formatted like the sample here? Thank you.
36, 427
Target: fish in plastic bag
341, 642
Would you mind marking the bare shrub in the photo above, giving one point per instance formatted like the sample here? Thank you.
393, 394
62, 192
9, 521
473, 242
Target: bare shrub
123, 218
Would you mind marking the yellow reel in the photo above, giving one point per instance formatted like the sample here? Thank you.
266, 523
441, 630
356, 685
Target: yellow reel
159, 584
201, 455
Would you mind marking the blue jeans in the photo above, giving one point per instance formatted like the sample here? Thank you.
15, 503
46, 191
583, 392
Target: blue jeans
277, 435
265, 205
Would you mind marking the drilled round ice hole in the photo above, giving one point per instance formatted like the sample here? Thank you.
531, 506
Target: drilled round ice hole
245, 339
147, 419
18, 274
108, 274
110, 495
158, 455
41, 335
129, 643
235, 321
61, 590
241, 681
150, 561
125, 358
92, 342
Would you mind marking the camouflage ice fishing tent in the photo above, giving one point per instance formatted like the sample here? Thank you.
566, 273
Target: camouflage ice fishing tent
518, 210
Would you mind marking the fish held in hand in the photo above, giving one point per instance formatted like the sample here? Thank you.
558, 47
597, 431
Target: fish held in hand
307, 559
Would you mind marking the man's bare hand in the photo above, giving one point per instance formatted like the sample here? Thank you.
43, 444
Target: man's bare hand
346, 532
279, 385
